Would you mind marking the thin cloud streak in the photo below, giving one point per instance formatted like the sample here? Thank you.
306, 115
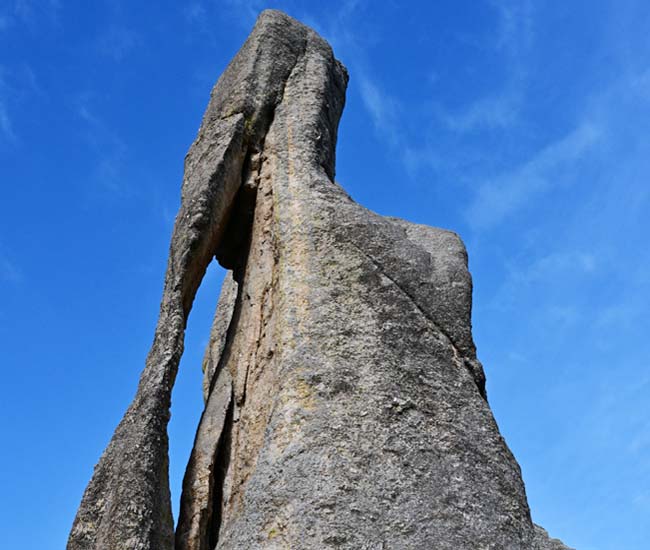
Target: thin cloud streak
515, 32
502, 196
383, 110
118, 42
248, 10
513, 39
549, 271
32, 13
6, 128
195, 13
9, 271
498, 111
385, 113
555, 263
109, 147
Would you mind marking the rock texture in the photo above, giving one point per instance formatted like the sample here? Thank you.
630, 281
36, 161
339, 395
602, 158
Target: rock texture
345, 405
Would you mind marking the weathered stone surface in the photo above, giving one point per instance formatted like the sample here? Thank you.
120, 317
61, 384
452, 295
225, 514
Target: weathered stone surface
346, 407
218, 333
544, 542
201, 484
127, 504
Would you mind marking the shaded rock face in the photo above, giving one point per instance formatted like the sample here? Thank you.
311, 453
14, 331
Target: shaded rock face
344, 403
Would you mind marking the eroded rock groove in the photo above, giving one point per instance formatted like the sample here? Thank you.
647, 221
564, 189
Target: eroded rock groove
340, 379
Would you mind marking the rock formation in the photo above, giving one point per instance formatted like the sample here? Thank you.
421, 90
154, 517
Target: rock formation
345, 406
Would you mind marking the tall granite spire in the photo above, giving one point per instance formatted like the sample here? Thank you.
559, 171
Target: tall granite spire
345, 406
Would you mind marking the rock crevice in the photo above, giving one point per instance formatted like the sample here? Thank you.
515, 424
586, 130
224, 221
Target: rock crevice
345, 406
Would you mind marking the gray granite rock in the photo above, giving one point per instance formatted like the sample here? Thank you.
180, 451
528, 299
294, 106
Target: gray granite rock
346, 406
218, 333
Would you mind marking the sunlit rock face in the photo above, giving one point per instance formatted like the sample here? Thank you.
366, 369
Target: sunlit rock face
344, 403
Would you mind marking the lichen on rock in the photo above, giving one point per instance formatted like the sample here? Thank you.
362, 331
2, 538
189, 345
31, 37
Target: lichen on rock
345, 406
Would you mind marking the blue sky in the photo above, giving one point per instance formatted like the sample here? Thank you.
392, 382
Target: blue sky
521, 125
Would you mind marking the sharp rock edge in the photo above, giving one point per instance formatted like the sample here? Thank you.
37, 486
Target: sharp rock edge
345, 405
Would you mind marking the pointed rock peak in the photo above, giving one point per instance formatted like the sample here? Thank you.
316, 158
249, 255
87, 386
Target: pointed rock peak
345, 405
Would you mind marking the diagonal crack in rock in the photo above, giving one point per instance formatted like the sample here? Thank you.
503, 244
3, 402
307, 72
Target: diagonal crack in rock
336, 414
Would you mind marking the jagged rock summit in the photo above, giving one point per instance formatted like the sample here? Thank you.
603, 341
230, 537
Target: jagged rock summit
345, 406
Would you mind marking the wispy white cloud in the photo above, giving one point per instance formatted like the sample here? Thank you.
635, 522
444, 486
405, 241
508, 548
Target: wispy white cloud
33, 12
503, 195
386, 113
512, 37
612, 126
24, 9
118, 42
622, 403
500, 110
515, 29
620, 314
246, 10
110, 149
31, 82
384, 110
28, 13
640, 445
558, 263
5, 22
6, 128
538, 270
18, 86
640, 83
195, 12
563, 314
9, 270
421, 157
